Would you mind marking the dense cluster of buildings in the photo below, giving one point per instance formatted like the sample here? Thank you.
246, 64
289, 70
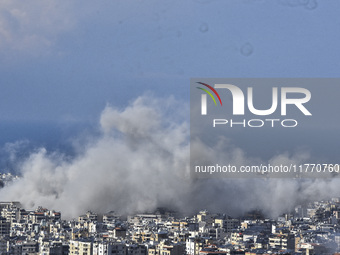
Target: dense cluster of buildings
310, 229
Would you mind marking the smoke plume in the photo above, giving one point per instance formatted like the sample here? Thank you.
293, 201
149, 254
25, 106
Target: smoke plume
140, 162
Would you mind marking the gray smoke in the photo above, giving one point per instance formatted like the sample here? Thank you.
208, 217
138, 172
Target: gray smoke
141, 162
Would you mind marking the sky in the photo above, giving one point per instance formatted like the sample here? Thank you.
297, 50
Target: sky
65, 64
62, 62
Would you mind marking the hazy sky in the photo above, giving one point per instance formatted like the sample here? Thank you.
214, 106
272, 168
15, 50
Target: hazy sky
65, 60
61, 62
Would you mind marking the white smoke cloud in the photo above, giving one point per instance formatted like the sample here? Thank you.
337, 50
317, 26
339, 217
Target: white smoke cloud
135, 165
141, 162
